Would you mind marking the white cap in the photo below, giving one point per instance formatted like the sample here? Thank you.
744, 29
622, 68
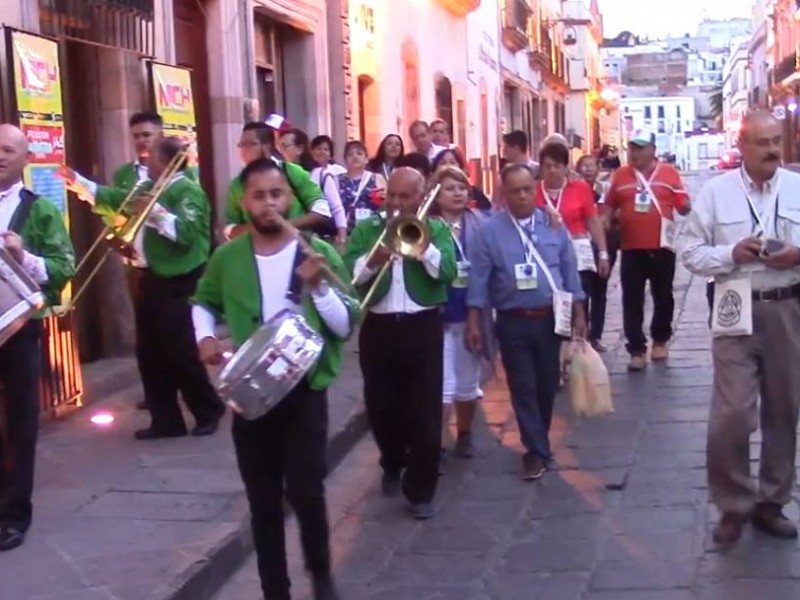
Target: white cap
642, 137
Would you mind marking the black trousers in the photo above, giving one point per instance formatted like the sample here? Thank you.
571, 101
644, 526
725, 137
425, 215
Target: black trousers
167, 353
287, 446
596, 290
402, 365
637, 267
20, 369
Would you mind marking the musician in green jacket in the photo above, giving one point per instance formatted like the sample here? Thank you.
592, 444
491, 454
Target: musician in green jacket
176, 242
308, 211
249, 281
33, 234
401, 344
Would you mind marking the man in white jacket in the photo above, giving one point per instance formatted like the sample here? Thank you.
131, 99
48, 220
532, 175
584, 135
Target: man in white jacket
744, 231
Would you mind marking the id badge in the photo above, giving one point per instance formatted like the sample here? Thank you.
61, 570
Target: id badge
363, 214
526, 276
462, 274
642, 202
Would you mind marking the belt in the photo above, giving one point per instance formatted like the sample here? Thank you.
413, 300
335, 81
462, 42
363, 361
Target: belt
777, 294
528, 313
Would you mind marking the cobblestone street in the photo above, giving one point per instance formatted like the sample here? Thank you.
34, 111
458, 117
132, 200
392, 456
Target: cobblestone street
624, 516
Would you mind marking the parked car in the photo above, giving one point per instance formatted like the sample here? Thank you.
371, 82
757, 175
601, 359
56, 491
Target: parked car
730, 159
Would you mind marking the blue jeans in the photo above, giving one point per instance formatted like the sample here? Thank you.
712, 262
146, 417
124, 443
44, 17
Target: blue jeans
530, 349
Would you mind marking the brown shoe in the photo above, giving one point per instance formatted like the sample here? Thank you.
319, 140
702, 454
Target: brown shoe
533, 467
770, 519
638, 362
659, 352
729, 529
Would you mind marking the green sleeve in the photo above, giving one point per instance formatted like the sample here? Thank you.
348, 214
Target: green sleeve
54, 246
119, 179
208, 293
305, 190
234, 211
110, 196
348, 296
442, 239
192, 174
357, 245
191, 215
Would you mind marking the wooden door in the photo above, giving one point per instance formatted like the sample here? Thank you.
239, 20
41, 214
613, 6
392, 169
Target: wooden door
191, 52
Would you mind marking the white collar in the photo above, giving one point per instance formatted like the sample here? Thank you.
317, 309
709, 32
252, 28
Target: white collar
14, 190
769, 185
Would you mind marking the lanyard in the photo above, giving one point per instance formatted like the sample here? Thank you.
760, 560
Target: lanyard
366, 177
547, 199
386, 172
531, 254
754, 214
645, 183
459, 240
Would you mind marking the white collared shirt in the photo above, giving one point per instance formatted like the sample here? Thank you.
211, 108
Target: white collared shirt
397, 299
721, 218
10, 200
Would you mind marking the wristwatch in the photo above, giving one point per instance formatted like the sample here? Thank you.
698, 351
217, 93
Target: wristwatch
603, 255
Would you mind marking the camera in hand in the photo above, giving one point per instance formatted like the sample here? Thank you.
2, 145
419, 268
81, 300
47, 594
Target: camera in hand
772, 246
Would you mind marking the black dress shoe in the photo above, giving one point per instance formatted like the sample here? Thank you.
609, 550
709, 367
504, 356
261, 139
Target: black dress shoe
142, 405
155, 434
10, 538
203, 429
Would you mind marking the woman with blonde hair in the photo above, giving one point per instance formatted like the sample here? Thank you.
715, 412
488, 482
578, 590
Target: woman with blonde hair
462, 369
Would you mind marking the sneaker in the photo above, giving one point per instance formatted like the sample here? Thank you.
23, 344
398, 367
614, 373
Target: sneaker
464, 446
533, 467
638, 362
770, 519
660, 352
422, 511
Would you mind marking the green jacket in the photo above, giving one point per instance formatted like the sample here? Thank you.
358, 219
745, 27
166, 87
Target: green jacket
305, 193
126, 177
230, 288
43, 234
421, 287
188, 202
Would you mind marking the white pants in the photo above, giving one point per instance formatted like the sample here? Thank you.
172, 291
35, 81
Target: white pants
462, 369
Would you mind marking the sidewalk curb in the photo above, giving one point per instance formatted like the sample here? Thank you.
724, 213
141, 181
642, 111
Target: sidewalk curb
206, 577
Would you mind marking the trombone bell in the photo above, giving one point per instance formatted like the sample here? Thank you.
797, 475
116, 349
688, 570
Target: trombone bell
407, 236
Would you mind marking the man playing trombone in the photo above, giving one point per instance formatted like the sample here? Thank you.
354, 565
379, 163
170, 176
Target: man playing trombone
176, 245
248, 282
401, 340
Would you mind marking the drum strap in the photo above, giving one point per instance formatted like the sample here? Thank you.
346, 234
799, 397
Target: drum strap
20, 216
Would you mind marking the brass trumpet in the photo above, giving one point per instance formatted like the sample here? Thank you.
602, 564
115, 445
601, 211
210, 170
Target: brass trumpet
405, 236
122, 228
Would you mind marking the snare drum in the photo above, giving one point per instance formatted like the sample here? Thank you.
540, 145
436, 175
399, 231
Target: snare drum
269, 365
20, 297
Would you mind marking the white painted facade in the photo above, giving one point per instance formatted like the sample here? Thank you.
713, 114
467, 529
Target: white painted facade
669, 117
702, 152
735, 89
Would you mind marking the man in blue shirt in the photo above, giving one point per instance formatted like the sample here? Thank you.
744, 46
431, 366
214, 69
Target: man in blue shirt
518, 257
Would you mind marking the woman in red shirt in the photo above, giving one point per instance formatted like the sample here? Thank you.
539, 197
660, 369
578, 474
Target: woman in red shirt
572, 202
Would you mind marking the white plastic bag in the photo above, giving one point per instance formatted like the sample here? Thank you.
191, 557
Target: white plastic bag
589, 384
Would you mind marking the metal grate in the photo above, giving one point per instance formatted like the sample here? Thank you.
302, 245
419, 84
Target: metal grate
61, 384
123, 24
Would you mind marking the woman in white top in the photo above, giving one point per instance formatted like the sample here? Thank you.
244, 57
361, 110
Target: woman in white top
295, 147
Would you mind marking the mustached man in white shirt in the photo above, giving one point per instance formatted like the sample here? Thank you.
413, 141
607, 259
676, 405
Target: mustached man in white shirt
756, 324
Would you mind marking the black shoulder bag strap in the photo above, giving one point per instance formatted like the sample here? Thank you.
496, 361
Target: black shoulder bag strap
295, 292
20, 216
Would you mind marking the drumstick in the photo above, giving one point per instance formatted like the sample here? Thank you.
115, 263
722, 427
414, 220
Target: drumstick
309, 251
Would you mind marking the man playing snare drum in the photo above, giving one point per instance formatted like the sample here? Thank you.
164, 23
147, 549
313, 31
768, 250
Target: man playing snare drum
248, 281
32, 231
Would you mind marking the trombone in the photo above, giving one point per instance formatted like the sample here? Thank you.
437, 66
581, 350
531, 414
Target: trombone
405, 236
121, 229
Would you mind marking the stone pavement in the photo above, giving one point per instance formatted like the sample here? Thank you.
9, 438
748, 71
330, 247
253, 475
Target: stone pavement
116, 519
625, 515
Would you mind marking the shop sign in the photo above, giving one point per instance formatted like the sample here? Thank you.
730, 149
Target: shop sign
174, 101
40, 111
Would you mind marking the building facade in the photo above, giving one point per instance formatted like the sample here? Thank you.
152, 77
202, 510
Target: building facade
736, 88
669, 117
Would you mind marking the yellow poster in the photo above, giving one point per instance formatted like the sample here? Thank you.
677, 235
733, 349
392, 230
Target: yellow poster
172, 87
40, 112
